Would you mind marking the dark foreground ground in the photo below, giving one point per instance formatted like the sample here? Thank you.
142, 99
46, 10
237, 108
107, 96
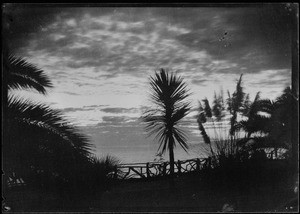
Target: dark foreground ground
188, 193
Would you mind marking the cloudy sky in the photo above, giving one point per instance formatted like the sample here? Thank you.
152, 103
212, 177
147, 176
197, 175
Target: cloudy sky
100, 58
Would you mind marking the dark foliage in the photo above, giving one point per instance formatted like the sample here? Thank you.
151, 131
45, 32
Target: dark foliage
281, 118
22, 75
39, 146
258, 116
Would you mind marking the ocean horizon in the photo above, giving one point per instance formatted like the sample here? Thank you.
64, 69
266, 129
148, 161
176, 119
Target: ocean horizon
130, 143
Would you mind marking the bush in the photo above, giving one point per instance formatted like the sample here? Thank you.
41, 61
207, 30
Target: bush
94, 175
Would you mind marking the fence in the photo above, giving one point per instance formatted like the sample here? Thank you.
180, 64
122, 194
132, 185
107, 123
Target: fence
156, 169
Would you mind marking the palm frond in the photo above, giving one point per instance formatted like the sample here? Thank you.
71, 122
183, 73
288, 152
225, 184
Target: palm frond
180, 113
42, 116
168, 89
181, 139
109, 163
264, 105
255, 122
24, 75
285, 97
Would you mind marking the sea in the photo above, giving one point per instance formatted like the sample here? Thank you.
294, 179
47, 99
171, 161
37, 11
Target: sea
131, 144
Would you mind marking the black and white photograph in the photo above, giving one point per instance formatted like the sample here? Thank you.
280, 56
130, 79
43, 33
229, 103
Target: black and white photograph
174, 108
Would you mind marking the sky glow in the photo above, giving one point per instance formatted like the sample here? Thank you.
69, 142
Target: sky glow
100, 58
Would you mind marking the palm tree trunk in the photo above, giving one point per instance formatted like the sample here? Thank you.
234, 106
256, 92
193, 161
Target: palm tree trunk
171, 155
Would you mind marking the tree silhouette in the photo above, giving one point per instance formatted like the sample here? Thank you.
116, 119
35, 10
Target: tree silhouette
277, 125
24, 75
39, 145
168, 93
281, 120
257, 120
235, 103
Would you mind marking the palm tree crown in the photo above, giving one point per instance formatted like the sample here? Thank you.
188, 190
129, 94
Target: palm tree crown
169, 94
256, 121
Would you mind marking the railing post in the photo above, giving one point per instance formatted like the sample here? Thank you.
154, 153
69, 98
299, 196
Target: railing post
147, 170
164, 168
115, 173
276, 154
141, 172
271, 155
179, 167
198, 164
208, 162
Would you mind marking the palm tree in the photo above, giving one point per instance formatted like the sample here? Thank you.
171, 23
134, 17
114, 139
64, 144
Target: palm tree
257, 115
277, 125
37, 140
169, 94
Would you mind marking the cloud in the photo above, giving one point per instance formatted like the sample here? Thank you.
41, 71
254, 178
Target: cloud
117, 120
271, 78
71, 109
108, 76
267, 83
84, 108
110, 43
199, 81
120, 110
70, 93
94, 106
52, 103
80, 84
254, 38
95, 37
115, 47
114, 119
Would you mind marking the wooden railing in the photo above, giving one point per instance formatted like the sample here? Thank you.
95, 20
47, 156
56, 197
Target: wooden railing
156, 169
274, 155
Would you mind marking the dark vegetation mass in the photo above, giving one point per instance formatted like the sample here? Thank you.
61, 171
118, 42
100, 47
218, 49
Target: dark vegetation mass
41, 149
